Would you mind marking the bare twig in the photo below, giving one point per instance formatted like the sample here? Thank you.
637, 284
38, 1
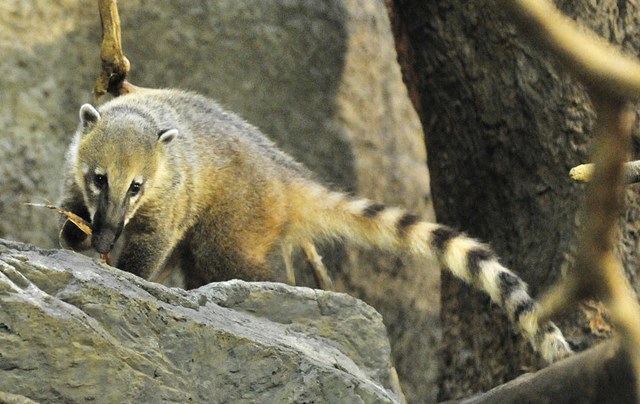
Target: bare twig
596, 63
72, 217
82, 224
584, 172
115, 65
611, 79
596, 262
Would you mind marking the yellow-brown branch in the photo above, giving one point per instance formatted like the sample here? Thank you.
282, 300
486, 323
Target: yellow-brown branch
584, 172
612, 79
115, 65
82, 224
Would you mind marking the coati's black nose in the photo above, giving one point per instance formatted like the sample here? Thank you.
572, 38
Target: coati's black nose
104, 240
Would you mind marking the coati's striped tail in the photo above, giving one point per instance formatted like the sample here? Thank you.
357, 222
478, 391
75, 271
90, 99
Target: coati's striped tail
476, 264
373, 224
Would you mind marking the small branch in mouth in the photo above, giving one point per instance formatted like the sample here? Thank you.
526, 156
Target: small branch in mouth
82, 224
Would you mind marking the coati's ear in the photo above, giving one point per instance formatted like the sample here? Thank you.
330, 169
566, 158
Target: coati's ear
88, 115
167, 135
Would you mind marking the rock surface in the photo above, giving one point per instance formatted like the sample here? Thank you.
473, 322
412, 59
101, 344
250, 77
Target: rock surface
75, 330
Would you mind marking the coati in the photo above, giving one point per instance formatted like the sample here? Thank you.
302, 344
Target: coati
171, 171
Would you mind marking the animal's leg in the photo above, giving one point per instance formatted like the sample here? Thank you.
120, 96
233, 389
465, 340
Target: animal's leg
319, 270
287, 256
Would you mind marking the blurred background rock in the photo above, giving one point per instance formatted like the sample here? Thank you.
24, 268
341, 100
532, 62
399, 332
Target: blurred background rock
320, 78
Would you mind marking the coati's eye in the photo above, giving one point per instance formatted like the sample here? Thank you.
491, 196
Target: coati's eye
134, 188
100, 180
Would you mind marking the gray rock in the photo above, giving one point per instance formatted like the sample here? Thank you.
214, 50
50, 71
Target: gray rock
8, 398
73, 329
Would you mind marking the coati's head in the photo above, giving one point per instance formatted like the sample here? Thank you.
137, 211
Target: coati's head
119, 159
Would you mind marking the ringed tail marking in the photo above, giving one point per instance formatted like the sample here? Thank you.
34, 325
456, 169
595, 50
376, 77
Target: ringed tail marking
334, 215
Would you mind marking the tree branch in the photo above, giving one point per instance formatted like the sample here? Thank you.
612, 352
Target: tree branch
115, 65
602, 374
584, 172
611, 79
595, 62
595, 261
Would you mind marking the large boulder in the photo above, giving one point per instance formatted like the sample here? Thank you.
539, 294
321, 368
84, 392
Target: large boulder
73, 329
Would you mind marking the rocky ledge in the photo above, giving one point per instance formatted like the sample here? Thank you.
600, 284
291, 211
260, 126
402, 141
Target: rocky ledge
73, 330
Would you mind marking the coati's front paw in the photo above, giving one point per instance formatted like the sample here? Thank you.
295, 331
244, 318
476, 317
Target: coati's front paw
75, 238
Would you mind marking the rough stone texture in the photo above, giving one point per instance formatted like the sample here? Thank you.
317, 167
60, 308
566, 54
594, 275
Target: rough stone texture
389, 167
8, 398
73, 329
319, 77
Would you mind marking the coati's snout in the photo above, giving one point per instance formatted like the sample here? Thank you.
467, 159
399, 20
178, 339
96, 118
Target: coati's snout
104, 240
107, 225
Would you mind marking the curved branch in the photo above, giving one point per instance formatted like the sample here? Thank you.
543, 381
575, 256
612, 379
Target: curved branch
595, 62
600, 375
597, 272
115, 65
611, 79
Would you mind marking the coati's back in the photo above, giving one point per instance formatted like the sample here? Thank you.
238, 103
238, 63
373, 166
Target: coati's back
181, 177
212, 131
